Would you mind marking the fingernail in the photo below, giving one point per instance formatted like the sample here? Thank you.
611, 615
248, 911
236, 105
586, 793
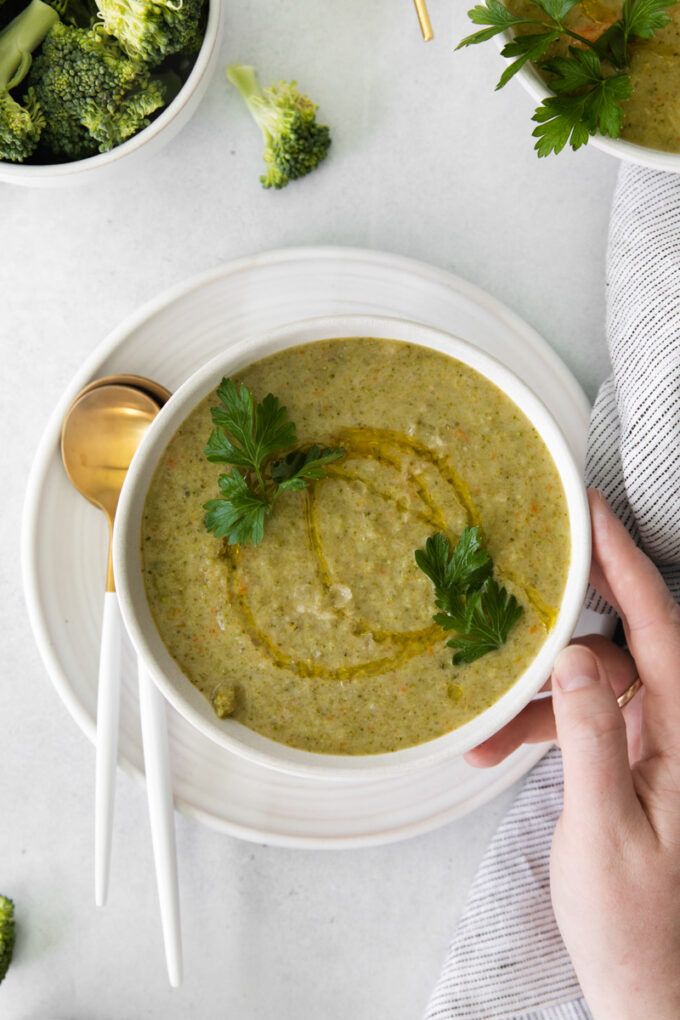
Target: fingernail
575, 668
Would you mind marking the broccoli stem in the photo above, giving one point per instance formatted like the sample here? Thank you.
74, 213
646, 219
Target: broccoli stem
20, 38
243, 76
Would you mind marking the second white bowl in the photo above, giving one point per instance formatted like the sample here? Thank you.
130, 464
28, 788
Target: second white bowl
150, 139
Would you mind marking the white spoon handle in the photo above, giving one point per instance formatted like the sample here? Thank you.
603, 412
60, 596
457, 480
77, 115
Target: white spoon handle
161, 817
108, 705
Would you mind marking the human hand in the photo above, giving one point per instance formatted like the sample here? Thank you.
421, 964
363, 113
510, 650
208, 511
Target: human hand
615, 862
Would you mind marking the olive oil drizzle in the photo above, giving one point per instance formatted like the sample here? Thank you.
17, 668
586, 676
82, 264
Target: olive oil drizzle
411, 645
386, 447
345, 475
546, 614
377, 443
401, 638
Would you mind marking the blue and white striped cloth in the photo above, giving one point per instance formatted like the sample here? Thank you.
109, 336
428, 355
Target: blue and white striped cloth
507, 960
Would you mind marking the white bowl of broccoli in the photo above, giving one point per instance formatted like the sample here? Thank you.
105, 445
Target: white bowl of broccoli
87, 83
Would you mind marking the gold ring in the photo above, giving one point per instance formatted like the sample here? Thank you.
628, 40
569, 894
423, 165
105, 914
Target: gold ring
629, 692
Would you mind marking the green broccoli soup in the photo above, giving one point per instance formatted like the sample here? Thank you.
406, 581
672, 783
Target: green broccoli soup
321, 635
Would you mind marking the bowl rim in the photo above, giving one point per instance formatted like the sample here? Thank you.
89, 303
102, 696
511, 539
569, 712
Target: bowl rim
190, 702
16, 172
621, 148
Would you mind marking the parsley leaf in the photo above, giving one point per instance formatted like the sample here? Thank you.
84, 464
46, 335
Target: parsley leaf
297, 467
494, 14
473, 605
458, 572
489, 616
645, 17
246, 432
497, 16
580, 70
556, 10
572, 116
248, 435
560, 120
239, 514
525, 47
639, 19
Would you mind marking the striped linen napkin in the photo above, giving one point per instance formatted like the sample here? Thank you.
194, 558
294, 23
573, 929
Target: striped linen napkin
507, 960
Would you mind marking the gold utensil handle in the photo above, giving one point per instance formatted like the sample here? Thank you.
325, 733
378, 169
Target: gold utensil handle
424, 19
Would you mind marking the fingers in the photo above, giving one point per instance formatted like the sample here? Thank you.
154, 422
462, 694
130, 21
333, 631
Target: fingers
534, 725
651, 620
600, 584
616, 663
592, 734
620, 670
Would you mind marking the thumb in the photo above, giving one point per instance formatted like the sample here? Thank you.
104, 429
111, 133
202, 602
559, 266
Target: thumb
592, 734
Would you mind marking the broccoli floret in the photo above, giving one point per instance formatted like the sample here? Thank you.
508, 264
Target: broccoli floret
152, 30
81, 13
92, 95
6, 934
294, 144
21, 120
20, 126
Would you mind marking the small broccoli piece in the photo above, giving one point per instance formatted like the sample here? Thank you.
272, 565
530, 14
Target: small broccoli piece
294, 144
151, 30
21, 120
6, 934
92, 95
20, 126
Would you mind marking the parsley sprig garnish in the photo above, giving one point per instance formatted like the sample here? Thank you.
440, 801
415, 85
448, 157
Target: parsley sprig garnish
472, 604
590, 84
247, 436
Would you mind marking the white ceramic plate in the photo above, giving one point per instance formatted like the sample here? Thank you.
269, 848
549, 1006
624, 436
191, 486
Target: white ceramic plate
64, 538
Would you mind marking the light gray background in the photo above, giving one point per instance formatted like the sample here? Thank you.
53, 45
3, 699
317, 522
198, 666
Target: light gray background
427, 162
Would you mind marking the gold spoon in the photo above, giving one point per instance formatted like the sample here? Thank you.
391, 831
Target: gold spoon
101, 432
140, 382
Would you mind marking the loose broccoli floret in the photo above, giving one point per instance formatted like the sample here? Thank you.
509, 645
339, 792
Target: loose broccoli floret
6, 934
294, 144
21, 121
92, 95
152, 30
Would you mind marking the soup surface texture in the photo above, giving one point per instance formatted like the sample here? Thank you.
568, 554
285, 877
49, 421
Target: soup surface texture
652, 112
322, 637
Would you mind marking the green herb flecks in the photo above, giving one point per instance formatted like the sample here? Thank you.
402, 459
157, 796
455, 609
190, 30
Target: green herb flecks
248, 436
590, 84
472, 604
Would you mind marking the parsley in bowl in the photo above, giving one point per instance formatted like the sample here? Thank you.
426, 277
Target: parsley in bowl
606, 70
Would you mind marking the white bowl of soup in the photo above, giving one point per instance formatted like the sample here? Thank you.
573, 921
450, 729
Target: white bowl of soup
650, 134
315, 651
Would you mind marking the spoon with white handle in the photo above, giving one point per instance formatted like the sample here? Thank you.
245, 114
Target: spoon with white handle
100, 434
